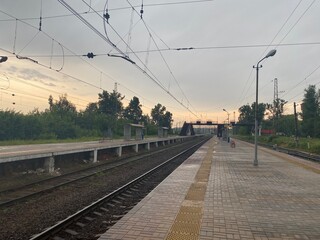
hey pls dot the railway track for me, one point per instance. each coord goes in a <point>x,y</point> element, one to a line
<point>296,153</point>
<point>97,217</point>
<point>304,155</point>
<point>22,193</point>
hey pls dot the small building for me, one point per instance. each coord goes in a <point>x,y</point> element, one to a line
<point>138,130</point>
<point>163,132</point>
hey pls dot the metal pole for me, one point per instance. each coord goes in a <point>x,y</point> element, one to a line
<point>228,138</point>
<point>228,124</point>
<point>255,162</point>
<point>296,124</point>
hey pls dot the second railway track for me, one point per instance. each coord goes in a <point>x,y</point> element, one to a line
<point>97,217</point>
<point>25,192</point>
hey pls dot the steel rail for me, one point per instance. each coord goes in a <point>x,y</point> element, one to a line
<point>108,166</point>
<point>49,232</point>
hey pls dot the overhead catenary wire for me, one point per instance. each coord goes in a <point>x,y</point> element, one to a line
<point>113,9</point>
<point>63,55</point>
<point>15,38</point>
<point>62,49</point>
<point>45,89</point>
<point>286,92</point>
<point>280,45</point>
<point>298,20</point>
<point>166,63</point>
<point>29,42</point>
<point>68,75</point>
<point>303,80</point>
<point>197,48</point>
<point>94,61</point>
<point>151,76</point>
<point>269,45</point>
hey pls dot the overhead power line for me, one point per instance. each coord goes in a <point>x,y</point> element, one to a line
<point>151,76</point>
<point>307,9</point>
<point>279,44</point>
<point>30,58</point>
<point>114,9</point>
<point>194,48</point>
<point>303,80</point>
<point>166,63</point>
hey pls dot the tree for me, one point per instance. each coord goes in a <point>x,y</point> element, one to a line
<point>110,103</point>
<point>167,120</point>
<point>60,120</point>
<point>161,117</point>
<point>92,108</point>
<point>286,125</point>
<point>276,111</point>
<point>157,113</point>
<point>63,106</point>
<point>133,111</point>
<point>310,112</point>
<point>247,115</point>
<point>89,118</point>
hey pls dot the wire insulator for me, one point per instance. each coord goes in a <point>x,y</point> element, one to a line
<point>40,20</point>
<point>141,11</point>
<point>90,55</point>
<point>40,23</point>
<point>106,16</point>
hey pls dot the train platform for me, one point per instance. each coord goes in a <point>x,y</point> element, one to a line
<point>217,193</point>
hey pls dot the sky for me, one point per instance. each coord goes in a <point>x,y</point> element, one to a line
<point>195,57</point>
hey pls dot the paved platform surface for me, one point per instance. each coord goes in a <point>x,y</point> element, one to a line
<point>32,151</point>
<point>218,194</point>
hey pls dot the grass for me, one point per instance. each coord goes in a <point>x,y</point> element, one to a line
<point>311,145</point>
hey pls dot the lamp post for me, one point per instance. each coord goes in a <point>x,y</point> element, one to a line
<point>3,59</point>
<point>228,124</point>
<point>270,54</point>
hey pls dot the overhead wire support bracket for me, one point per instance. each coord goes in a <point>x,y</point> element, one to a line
<point>124,57</point>
<point>26,58</point>
<point>179,49</point>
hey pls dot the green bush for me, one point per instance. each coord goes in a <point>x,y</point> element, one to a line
<point>315,148</point>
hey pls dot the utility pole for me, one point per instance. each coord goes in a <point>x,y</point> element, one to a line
<point>116,87</point>
<point>116,106</point>
<point>296,124</point>
<point>234,120</point>
<point>275,105</point>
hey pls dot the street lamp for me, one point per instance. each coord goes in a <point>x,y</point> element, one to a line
<point>227,113</point>
<point>3,59</point>
<point>228,124</point>
<point>270,54</point>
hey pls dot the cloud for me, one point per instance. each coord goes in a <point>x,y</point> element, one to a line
<point>34,75</point>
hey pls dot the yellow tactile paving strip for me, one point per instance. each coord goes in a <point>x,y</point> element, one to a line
<point>275,201</point>
<point>187,223</point>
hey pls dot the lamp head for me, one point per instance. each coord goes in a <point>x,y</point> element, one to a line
<point>271,53</point>
<point>3,59</point>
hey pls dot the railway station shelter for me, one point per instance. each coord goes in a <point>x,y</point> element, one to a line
<point>163,132</point>
<point>138,129</point>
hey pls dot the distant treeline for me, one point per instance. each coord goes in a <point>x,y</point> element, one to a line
<point>62,120</point>
<point>305,123</point>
